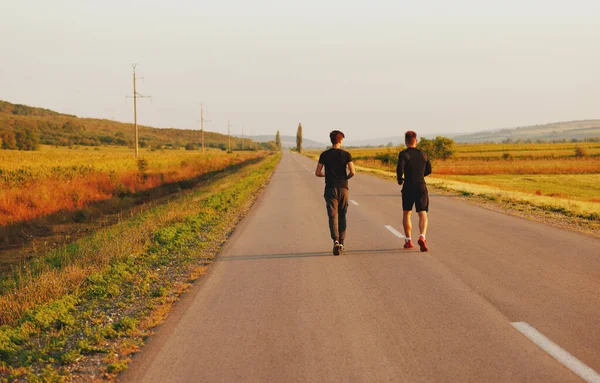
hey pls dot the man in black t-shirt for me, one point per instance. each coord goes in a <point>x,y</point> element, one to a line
<point>335,161</point>
<point>413,167</point>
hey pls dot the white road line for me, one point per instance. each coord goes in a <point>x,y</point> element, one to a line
<point>573,364</point>
<point>354,202</point>
<point>394,231</point>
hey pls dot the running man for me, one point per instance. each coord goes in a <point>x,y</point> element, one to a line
<point>336,160</point>
<point>413,167</point>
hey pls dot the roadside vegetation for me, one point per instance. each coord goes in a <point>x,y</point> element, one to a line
<point>36,184</point>
<point>558,178</point>
<point>80,311</point>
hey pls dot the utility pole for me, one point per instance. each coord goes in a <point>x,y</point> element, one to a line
<point>136,95</point>
<point>202,124</point>
<point>229,136</point>
<point>242,137</point>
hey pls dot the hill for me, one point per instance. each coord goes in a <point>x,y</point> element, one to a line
<point>57,129</point>
<point>559,131</point>
<point>570,130</point>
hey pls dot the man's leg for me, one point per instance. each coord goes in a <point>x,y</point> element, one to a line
<point>406,222</point>
<point>422,204</point>
<point>332,212</point>
<point>342,210</point>
<point>422,223</point>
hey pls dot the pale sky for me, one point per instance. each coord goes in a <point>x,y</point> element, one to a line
<point>369,68</point>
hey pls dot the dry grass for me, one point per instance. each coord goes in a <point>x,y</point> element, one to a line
<point>36,184</point>
<point>545,176</point>
<point>568,206</point>
<point>497,150</point>
<point>65,270</point>
<point>588,165</point>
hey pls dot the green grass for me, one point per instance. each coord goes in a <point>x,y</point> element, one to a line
<point>121,282</point>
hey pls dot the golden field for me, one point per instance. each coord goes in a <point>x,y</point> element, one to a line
<point>548,176</point>
<point>38,183</point>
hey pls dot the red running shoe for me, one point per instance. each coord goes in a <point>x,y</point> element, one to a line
<point>408,244</point>
<point>422,244</point>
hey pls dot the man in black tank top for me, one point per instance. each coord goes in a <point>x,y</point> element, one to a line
<point>413,167</point>
<point>335,161</point>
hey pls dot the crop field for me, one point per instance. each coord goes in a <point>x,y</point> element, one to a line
<point>581,187</point>
<point>490,151</point>
<point>34,184</point>
<point>548,176</point>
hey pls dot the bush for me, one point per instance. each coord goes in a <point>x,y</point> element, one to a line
<point>142,164</point>
<point>438,148</point>
<point>580,152</point>
<point>9,140</point>
<point>27,140</point>
<point>387,157</point>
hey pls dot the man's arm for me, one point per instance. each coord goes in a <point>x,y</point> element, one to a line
<point>400,168</point>
<point>319,171</point>
<point>351,169</point>
<point>427,167</point>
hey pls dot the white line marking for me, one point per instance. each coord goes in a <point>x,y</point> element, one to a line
<point>394,231</point>
<point>354,202</point>
<point>573,364</point>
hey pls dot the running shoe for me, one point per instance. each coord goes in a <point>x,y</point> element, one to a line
<point>342,248</point>
<point>408,244</point>
<point>422,244</point>
<point>336,248</point>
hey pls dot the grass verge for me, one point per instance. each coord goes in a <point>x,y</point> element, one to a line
<point>563,212</point>
<point>80,313</point>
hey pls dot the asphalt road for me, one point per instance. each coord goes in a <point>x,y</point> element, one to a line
<point>278,307</point>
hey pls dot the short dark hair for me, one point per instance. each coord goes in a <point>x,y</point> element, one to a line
<point>410,137</point>
<point>336,136</point>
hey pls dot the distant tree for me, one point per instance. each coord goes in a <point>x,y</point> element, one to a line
<point>438,148</point>
<point>27,140</point>
<point>299,138</point>
<point>390,144</point>
<point>278,141</point>
<point>9,140</point>
<point>580,152</point>
<point>190,146</point>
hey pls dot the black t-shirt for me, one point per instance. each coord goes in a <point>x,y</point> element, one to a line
<point>335,161</point>
<point>414,166</point>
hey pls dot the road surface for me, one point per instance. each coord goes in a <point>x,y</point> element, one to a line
<point>276,306</point>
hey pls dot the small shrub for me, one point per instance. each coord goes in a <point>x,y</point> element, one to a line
<point>580,152</point>
<point>70,357</point>
<point>115,368</point>
<point>142,165</point>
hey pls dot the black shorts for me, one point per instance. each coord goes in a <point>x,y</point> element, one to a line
<point>415,195</point>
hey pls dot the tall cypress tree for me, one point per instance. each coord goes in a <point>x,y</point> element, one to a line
<point>299,138</point>
<point>278,141</point>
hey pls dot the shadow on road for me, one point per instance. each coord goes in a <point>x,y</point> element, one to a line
<point>233,258</point>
